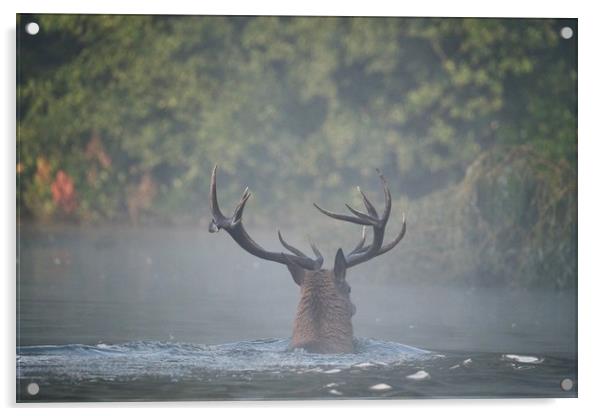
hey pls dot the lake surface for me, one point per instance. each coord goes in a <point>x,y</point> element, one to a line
<point>171,314</point>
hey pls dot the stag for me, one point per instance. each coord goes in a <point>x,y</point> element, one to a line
<point>323,320</point>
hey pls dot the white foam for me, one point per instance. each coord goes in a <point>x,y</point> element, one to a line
<point>380,387</point>
<point>364,365</point>
<point>419,375</point>
<point>524,359</point>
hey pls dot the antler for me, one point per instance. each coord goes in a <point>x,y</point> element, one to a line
<point>378,223</point>
<point>233,226</point>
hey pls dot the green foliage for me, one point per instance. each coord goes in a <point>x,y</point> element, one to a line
<point>137,109</point>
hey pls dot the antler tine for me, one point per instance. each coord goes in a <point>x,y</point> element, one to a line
<point>385,247</point>
<point>368,204</point>
<point>397,239</point>
<point>361,215</point>
<point>387,192</point>
<point>237,217</point>
<point>215,211</point>
<point>360,245</point>
<point>360,218</point>
<point>319,257</point>
<point>343,217</point>
<point>290,248</point>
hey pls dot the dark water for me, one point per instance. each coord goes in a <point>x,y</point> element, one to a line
<point>122,314</point>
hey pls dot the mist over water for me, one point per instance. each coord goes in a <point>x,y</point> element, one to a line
<point>110,304</point>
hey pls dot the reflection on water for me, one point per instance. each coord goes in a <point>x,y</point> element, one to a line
<point>169,309</point>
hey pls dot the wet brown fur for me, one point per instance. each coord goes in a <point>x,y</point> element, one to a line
<point>323,321</point>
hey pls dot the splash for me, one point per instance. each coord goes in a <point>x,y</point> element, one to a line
<point>181,360</point>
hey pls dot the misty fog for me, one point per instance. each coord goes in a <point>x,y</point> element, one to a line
<point>115,284</point>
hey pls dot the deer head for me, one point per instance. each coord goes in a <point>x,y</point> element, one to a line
<point>323,320</point>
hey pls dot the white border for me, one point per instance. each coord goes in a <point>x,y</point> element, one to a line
<point>590,154</point>
<point>461,8</point>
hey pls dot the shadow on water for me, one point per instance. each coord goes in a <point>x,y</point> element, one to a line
<point>125,314</point>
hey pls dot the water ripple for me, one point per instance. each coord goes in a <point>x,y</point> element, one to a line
<point>153,358</point>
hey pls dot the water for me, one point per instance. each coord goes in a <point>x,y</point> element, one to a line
<point>162,314</point>
<point>263,369</point>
